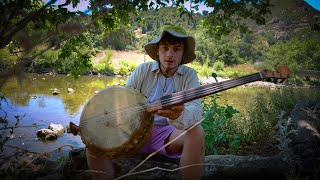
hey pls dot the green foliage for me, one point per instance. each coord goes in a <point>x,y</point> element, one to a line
<point>75,56</point>
<point>62,159</point>
<point>105,64</point>
<point>258,122</point>
<point>218,66</point>
<point>48,60</point>
<point>107,60</point>
<point>220,134</point>
<point>129,25</point>
<point>5,135</point>
<point>7,60</point>
<point>234,49</point>
<point>296,54</point>
<point>126,68</point>
<point>202,70</point>
<point>205,49</point>
<point>104,68</point>
<point>120,39</point>
<point>222,20</point>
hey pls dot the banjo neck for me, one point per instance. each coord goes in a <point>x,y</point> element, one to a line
<point>282,73</point>
<point>200,92</point>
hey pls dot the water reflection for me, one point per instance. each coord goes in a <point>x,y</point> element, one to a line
<point>32,101</point>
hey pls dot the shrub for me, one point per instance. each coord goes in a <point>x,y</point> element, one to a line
<point>48,59</point>
<point>219,128</point>
<point>218,66</point>
<point>126,68</point>
<point>7,60</point>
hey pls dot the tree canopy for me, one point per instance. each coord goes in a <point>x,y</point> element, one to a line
<point>17,16</point>
<point>27,24</point>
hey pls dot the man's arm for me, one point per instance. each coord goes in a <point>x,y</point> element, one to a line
<point>192,112</point>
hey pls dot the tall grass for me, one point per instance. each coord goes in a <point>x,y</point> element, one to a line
<point>258,122</point>
<point>226,128</point>
<point>105,64</point>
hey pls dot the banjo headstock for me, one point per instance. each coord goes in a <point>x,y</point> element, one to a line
<point>282,73</point>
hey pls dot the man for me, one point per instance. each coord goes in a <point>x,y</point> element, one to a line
<point>166,75</point>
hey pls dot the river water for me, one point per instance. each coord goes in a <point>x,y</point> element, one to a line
<point>30,100</point>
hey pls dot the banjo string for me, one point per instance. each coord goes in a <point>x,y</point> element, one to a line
<point>142,107</point>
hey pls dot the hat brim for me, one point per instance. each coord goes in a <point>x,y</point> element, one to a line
<point>189,55</point>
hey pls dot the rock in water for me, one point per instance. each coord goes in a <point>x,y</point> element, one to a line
<point>52,133</point>
<point>46,135</point>
<point>70,90</point>
<point>57,128</point>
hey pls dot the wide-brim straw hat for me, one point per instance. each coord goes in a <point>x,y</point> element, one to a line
<point>189,55</point>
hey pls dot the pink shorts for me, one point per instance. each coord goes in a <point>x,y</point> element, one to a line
<point>157,139</point>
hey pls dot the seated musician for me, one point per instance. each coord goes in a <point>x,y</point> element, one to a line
<point>167,74</point>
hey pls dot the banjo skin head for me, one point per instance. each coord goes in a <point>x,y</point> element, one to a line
<point>114,122</point>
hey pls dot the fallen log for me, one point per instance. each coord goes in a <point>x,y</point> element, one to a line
<point>215,167</point>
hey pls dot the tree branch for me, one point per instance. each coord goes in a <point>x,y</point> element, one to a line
<point>21,24</point>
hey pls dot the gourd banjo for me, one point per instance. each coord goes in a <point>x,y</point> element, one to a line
<point>117,121</point>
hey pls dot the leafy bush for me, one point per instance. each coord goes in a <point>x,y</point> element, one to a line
<point>107,59</point>
<point>103,68</point>
<point>7,60</point>
<point>76,52</point>
<point>202,70</point>
<point>219,128</point>
<point>218,66</point>
<point>48,59</point>
<point>296,54</point>
<point>105,64</point>
<point>126,68</point>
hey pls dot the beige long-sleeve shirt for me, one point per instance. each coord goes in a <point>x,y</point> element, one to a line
<point>144,79</point>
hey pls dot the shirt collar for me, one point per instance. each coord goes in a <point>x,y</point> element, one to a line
<point>155,67</point>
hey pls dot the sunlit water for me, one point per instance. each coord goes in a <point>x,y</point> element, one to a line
<point>32,102</point>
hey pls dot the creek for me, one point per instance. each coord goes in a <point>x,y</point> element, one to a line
<point>31,101</point>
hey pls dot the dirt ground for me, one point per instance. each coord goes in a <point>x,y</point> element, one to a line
<point>118,56</point>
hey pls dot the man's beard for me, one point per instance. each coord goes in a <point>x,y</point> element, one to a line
<point>166,69</point>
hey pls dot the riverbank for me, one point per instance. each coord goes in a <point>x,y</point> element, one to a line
<point>296,158</point>
<point>262,84</point>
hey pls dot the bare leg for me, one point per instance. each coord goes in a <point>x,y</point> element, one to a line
<point>192,146</point>
<point>100,167</point>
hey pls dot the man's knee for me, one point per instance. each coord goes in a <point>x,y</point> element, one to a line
<point>196,135</point>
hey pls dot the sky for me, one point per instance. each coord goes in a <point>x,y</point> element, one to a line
<point>84,4</point>
<point>314,3</point>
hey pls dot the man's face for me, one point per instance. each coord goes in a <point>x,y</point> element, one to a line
<point>170,56</point>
